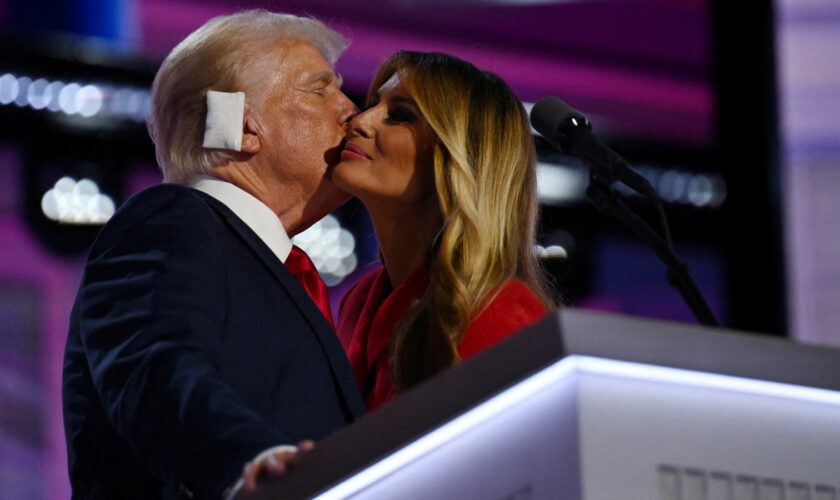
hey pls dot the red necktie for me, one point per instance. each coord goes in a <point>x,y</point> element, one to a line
<point>302,268</point>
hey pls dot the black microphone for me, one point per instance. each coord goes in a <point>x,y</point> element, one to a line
<point>569,131</point>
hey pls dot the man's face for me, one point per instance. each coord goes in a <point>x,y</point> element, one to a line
<point>304,117</point>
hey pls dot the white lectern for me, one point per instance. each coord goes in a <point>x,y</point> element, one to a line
<point>599,407</point>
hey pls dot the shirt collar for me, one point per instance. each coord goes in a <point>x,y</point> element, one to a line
<point>254,213</point>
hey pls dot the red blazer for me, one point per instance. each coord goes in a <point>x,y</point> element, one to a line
<point>371,311</point>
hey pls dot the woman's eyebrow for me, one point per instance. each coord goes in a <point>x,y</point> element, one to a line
<point>401,99</point>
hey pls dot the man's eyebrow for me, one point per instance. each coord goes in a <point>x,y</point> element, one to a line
<point>322,77</point>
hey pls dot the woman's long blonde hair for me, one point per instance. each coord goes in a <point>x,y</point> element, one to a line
<point>484,163</point>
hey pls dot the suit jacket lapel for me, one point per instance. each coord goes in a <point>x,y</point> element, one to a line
<point>326,335</point>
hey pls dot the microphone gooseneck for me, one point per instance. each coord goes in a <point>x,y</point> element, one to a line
<point>570,131</point>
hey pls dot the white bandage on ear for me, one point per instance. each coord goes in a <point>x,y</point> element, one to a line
<point>225,117</point>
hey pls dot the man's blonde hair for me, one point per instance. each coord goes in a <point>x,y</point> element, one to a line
<point>221,55</point>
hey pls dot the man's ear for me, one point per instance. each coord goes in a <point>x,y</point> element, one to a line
<point>251,133</point>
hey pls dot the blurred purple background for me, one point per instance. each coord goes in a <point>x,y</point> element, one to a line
<point>643,70</point>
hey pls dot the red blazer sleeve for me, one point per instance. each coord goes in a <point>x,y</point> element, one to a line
<point>513,308</point>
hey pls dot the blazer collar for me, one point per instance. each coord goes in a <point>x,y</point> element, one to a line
<point>250,210</point>
<point>339,364</point>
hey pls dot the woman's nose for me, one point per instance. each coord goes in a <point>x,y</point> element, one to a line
<point>361,123</point>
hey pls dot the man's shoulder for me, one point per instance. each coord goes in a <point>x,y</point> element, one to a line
<point>160,210</point>
<point>162,197</point>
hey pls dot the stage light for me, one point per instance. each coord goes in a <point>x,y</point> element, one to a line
<point>67,98</point>
<point>560,184</point>
<point>700,190</point>
<point>130,103</point>
<point>73,202</point>
<point>551,252</point>
<point>671,186</point>
<point>9,89</point>
<point>54,90</point>
<point>563,184</point>
<point>680,187</point>
<point>121,102</point>
<point>39,94</point>
<point>83,100</point>
<point>89,100</point>
<point>331,248</point>
<point>140,110</point>
<point>718,191</point>
<point>22,98</point>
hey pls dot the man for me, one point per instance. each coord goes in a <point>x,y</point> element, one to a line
<point>192,347</point>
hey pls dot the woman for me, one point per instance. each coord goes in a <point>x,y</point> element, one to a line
<point>444,162</point>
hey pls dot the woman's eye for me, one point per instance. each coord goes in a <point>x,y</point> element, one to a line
<point>400,115</point>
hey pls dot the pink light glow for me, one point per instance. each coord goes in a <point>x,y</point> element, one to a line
<point>631,103</point>
<point>652,105</point>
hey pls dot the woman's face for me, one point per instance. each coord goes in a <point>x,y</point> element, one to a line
<point>387,159</point>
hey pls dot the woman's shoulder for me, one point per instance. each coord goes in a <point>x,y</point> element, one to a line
<point>515,302</point>
<point>519,293</point>
<point>514,306</point>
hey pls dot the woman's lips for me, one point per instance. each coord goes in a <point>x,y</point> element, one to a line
<point>355,152</point>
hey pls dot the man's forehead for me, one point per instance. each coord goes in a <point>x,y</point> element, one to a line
<point>306,65</point>
<point>303,63</point>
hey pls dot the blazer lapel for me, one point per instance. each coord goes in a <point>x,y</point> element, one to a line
<point>326,336</point>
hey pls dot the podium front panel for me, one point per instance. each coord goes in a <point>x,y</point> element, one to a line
<point>521,444</point>
<point>590,428</point>
<point>593,406</point>
<point>643,427</point>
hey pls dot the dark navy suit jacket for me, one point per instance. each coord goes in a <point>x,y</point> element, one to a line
<point>191,349</point>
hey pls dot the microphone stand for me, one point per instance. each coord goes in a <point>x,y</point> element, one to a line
<point>601,194</point>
